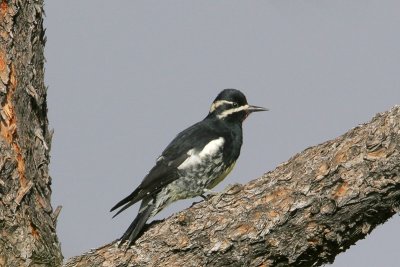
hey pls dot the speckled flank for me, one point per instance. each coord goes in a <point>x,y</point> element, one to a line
<point>202,170</point>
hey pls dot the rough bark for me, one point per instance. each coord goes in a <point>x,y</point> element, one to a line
<point>27,223</point>
<point>303,213</point>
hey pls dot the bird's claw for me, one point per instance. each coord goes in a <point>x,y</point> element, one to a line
<point>209,195</point>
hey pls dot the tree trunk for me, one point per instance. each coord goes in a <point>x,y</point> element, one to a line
<point>27,223</point>
<point>304,213</point>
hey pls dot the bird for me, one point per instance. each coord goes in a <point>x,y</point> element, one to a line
<point>195,161</point>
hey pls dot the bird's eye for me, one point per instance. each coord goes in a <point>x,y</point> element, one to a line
<point>235,105</point>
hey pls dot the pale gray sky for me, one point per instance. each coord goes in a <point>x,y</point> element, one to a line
<point>125,77</point>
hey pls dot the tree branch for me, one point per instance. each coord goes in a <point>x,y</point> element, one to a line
<point>304,213</point>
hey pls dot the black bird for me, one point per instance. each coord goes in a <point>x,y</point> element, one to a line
<point>194,162</point>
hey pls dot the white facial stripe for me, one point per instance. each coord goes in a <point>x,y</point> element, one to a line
<point>215,105</point>
<point>196,158</point>
<point>232,110</point>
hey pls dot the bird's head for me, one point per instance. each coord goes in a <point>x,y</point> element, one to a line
<point>231,105</point>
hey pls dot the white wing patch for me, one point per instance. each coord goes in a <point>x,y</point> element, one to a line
<point>196,157</point>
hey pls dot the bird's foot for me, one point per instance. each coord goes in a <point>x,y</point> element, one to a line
<point>209,195</point>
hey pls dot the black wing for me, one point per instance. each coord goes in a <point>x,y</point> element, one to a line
<point>165,171</point>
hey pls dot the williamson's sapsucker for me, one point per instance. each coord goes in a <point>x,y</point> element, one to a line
<point>194,162</point>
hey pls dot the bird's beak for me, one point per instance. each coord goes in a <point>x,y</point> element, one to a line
<point>255,109</point>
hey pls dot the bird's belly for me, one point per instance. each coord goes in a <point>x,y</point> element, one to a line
<point>194,181</point>
<point>187,186</point>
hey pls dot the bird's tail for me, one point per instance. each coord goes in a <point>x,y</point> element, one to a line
<point>136,227</point>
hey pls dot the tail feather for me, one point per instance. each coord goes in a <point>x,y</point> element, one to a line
<point>136,227</point>
<point>127,205</point>
<point>129,200</point>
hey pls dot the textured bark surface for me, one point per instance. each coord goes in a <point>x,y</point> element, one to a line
<point>303,213</point>
<point>27,225</point>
